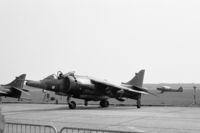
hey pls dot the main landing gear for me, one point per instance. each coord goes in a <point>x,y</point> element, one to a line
<point>71,104</point>
<point>104,103</point>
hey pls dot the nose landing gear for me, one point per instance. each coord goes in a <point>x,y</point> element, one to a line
<point>71,104</point>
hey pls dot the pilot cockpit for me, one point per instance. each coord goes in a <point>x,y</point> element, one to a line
<point>59,75</point>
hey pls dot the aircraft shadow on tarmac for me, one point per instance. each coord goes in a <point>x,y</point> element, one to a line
<point>78,108</point>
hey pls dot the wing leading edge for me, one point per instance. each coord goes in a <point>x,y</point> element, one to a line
<point>115,86</point>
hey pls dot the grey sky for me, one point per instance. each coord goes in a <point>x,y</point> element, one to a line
<point>109,39</point>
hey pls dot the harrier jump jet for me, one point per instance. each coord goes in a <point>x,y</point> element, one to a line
<point>169,89</point>
<point>15,88</point>
<point>91,89</point>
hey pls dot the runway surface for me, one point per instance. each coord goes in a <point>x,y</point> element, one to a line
<point>147,119</point>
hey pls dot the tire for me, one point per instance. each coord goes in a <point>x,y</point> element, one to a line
<point>104,103</point>
<point>72,105</point>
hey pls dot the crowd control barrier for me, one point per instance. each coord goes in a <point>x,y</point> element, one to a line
<point>34,128</point>
<point>85,130</point>
<point>28,128</point>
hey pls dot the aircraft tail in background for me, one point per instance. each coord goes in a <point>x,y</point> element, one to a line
<point>18,82</point>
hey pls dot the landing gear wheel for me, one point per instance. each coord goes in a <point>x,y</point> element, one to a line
<point>104,103</point>
<point>72,105</point>
<point>139,103</point>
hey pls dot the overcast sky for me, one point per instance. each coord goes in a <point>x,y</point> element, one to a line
<point>109,39</point>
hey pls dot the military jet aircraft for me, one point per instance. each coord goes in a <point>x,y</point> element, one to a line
<point>91,89</point>
<point>169,89</point>
<point>14,89</point>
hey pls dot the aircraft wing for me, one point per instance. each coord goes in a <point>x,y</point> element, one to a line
<point>22,90</point>
<point>118,87</point>
<point>2,92</point>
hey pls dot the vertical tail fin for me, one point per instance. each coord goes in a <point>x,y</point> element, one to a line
<point>138,79</point>
<point>18,82</point>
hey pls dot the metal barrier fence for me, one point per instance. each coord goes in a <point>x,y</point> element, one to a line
<point>34,128</point>
<point>28,128</point>
<point>85,130</point>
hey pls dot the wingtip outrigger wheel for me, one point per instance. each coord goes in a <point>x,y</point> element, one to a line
<point>139,102</point>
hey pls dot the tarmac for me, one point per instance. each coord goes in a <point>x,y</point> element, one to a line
<point>149,119</point>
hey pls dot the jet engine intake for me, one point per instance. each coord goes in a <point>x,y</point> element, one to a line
<point>71,84</point>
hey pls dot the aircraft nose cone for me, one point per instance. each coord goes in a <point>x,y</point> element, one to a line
<point>36,84</point>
